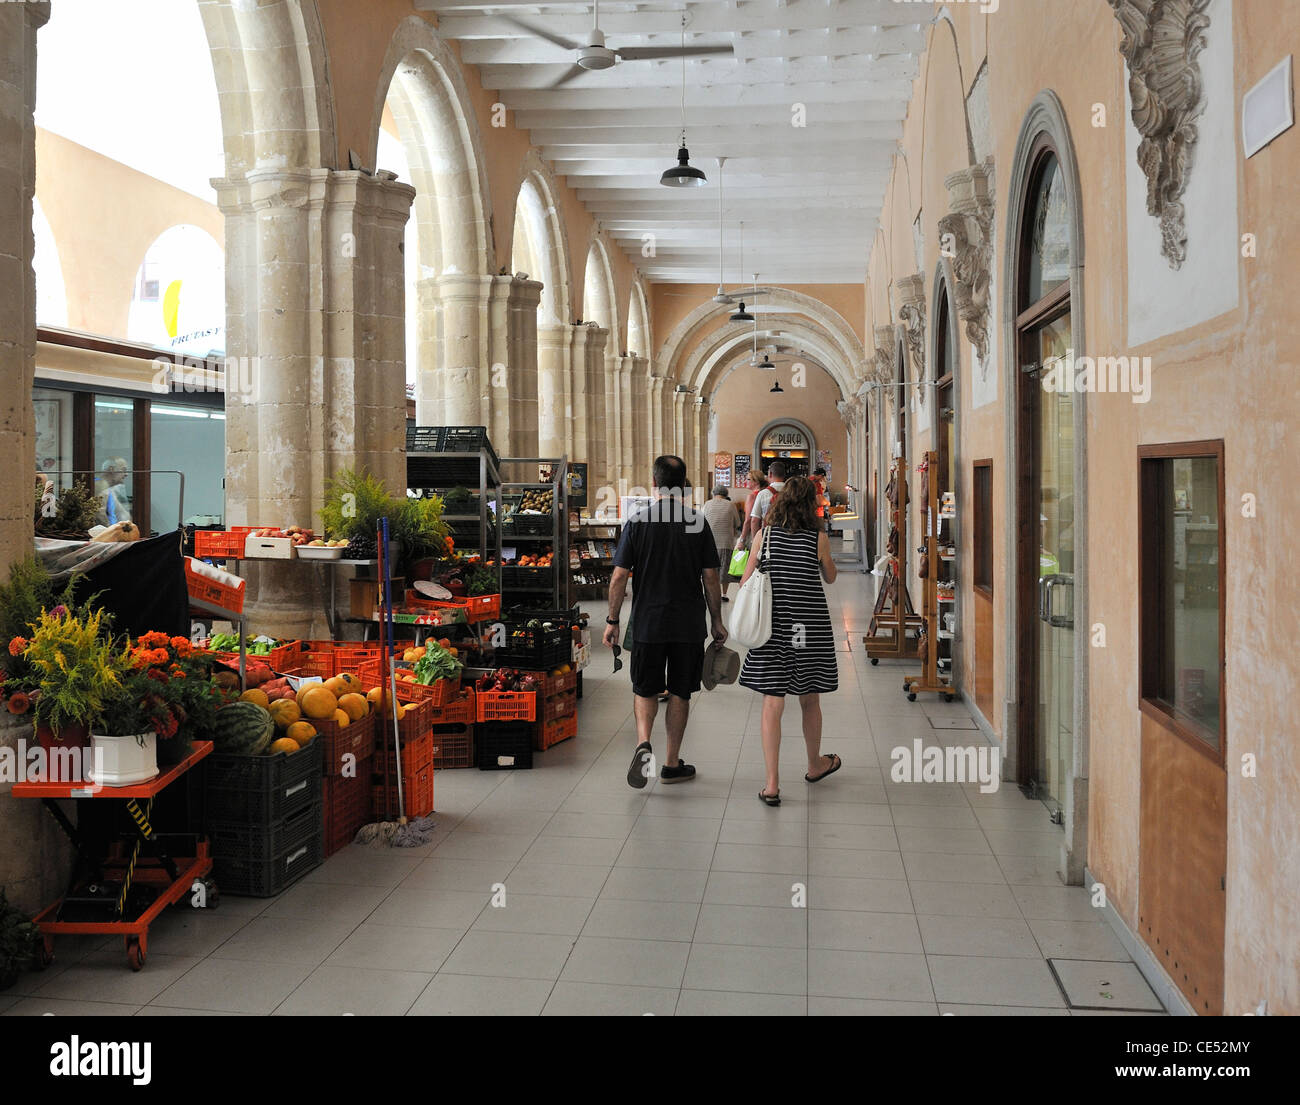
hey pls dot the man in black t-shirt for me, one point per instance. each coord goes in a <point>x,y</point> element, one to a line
<point>669,550</point>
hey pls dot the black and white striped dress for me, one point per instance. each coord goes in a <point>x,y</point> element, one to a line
<point>799,657</point>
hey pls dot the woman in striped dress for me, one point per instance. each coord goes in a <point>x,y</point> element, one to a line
<point>799,657</point>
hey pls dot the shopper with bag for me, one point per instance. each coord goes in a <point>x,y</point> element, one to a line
<point>670,551</point>
<point>720,514</point>
<point>798,657</point>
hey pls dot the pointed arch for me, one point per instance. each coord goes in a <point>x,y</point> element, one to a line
<point>539,243</point>
<point>639,337</point>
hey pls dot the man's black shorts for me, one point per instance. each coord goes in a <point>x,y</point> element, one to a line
<point>671,665</point>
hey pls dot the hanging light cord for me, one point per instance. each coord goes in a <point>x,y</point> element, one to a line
<point>683,78</point>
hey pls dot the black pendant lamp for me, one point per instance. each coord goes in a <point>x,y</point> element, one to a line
<point>742,315</point>
<point>683,174</point>
<point>776,387</point>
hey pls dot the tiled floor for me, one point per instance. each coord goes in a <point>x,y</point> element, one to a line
<point>858,895</point>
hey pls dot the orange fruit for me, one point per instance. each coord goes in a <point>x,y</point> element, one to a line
<point>255,695</point>
<point>317,702</point>
<point>285,712</point>
<point>341,719</point>
<point>354,706</point>
<point>334,685</point>
<point>300,732</point>
<point>284,744</point>
<point>349,682</point>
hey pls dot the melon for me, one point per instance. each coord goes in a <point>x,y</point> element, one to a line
<point>255,695</point>
<point>301,733</point>
<point>334,685</point>
<point>285,712</point>
<point>349,681</point>
<point>284,744</point>
<point>341,719</point>
<point>243,728</point>
<point>354,705</point>
<point>318,703</point>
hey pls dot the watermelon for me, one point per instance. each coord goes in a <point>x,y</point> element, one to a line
<point>243,728</point>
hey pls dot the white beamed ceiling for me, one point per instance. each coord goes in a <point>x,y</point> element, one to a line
<point>809,196</point>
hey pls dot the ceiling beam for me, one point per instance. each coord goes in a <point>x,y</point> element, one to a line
<point>702,97</point>
<point>596,114</point>
<point>757,149</point>
<point>705,73</point>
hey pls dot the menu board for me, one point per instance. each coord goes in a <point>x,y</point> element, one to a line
<point>740,469</point>
<point>722,469</point>
<point>578,483</point>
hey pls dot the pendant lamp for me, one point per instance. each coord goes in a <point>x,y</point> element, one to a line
<point>683,174</point>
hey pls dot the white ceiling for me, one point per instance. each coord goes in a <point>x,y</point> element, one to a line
<point>809,196</point>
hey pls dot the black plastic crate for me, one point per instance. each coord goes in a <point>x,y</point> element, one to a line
<point>535,648</point>
<point>513,576</point>
<point>438,471</point>
<point>504,746</point>
<point>468,439</point>
<point>528,525</point>
<point>259,843</point>
<point>425,439</point>
<point>264,878</point>
<point>523,611</point>
<point>262,789</point>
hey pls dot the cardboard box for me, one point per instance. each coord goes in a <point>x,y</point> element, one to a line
<point>367,596</point>
<point>268,548</point>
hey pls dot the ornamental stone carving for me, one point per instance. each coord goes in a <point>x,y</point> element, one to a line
<point>850,412</point>
<point>1161,44</point>
<point>882,375</point>
<point>966,243</point>
<point>911,313</point>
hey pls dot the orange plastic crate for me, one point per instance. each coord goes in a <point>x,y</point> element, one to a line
<point>478,608</point>
<point>549,733</point>
<point>560,705</point>
<point>350,656</point>
<point>417,788</point>
<point>559,684</point>
<point>210,590</point>
<point>506,705</point>
<point>453,746</point>
<point>347,802</point>
<point>219,544</point>
<point>441,692</point>
<point>460,711</point>
<point>356,739</point>
<point>415,753</point>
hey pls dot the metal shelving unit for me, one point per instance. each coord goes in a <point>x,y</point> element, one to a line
<point>516,588</point>
<point>479,472</point>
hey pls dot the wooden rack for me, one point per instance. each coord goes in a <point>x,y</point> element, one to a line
<point>893,616</point>
<point>932,680</point>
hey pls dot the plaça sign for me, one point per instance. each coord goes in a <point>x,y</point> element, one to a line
<point>785,437</point>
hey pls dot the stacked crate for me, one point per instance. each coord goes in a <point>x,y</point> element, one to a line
<point>264,819</point>
<point>557,711</point>
<point>415,731</point>
<point>347,754</point>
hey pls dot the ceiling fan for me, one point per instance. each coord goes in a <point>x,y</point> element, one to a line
<point>593,54</point>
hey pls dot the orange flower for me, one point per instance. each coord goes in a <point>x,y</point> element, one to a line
<point>18,646</point>
<point>19,703</point>
<point>159,656</point>
<point>153,639</point>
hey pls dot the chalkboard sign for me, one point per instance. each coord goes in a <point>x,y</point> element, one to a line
<point>740,469</point>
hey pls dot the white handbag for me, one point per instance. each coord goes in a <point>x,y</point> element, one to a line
<point>751,610</point>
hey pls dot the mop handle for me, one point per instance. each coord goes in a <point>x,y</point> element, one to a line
<point>392,674</point>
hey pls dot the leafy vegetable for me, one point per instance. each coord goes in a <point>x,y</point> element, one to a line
<point>482,581</point>
<point>436,663</point>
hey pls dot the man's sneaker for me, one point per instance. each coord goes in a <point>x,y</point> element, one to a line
<point>639,770</point>
<point>682,773</point>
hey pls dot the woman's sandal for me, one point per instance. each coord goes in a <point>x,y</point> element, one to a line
<point>838,763</point>
<point>769,799</point>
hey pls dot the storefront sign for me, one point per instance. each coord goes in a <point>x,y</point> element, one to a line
<point>722,469</point>
<point>785,437</point>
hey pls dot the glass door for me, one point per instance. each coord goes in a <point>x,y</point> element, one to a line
<point>1055,623</point>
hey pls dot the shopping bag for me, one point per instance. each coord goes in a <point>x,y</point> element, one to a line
<point>739,558</point>
<point>751,610</point>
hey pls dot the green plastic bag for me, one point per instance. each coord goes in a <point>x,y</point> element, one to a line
<point>739,558</point>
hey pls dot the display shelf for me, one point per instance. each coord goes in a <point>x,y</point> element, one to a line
<point>893,615</point>
<point>556,536</point>
<point>934,666</point>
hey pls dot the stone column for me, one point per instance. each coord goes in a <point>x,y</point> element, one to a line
<point>626,440</point>
<point>677,406</point>
<point>34,854</point>
<point>700,426</point>
<point>524,370</point>
<point>463,340</point>
<point>553,415</point>
<point>597,457</point>
<point>428,381</point>
<point>496,379</point>
<point>660,427</point>
<point>314,292</point>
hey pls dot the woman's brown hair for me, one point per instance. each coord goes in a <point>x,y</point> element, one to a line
<point>795,507</point>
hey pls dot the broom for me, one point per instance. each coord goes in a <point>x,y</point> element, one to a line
<point>400,833</point>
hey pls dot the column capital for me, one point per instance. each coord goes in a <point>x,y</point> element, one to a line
<point>388,199</point>
<point>464,287</point>
<point>270,189</point>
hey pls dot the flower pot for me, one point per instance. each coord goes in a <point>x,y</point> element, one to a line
<point>63,750</point>
<point>123,761</point>
<point>174,749</point>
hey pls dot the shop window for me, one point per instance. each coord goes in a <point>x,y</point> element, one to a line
<point>190,439</point>
<point>1181,565</point>
<point>982,524</point>
<point>114,459</point>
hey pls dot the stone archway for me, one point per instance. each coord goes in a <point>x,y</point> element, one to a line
<point>596,348</point>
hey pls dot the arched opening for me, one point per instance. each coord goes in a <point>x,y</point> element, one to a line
<point>178,299</point>
<point>638,323</point>
<point>945,393</point>
<point>599,307</point>
<point>51,292</point>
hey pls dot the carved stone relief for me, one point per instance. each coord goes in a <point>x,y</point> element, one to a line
<point>911,313</point>
<point>1161,44</point>
<point>966,243</point>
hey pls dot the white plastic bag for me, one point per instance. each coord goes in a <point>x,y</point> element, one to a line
<point>751,610</point>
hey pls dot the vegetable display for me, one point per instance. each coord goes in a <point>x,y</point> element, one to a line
<point>436,663</point>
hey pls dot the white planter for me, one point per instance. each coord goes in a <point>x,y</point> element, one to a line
<point>123,761</point>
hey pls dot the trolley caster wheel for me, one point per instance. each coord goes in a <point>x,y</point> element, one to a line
<point>911,696</point>
<point>875,660</point>
<point>135,954</point>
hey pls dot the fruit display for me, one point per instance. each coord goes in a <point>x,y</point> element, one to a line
<point>299,535</point>
<point>242,728</point>
<point>534,560</point>
<point>536,502</point>
<point>260,645</point>
<point>322,543</point>
<point>361,548</point>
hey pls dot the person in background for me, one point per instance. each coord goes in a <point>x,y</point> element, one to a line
<point>823,501</point>
<point>799,657</point>
<point>670,550</point>
<point>720,514</point>
<point>112,493</point>
<point>776,473</point>
<point>755,482</point>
